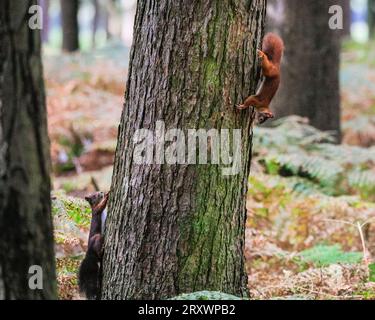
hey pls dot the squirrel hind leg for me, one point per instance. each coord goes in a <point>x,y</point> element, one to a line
<point>250,101</point>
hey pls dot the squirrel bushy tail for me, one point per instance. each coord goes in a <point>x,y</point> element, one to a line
<point>88,276</point>
<point>273,47</point>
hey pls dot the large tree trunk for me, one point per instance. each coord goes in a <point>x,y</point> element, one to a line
<point>310,72</point>
<point>70,27</point>
<point>180,228</point>
<point>26,237</point>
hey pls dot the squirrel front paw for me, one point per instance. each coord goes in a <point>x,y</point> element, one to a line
<point>241,106</point>
<point>261,54</point>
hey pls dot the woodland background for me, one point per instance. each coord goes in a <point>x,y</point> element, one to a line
<point>303,190</point>
<point>310,232</point>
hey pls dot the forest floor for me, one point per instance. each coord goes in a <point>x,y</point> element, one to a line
<point>311,204</point>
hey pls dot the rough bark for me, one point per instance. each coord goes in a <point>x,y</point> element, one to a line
<point>70,27</point>
<point>26,236</point>
<point>180,228</point>
<point>310,70</point>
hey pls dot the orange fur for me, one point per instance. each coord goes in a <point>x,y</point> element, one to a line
<point>272,51</point>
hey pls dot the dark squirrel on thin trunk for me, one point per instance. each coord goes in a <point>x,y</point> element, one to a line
<point>89,275</point>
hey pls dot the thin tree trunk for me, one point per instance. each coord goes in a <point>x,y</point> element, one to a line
<point>106,23</point>
<point>371,18</point>
<point>26,237</point>
<point>70,27</point>
<point>347,18</point>
<point>127,21</point>
<point>310,72</point>
<point>275,15</point>
<point>95,22</point>
<point>180,228</point>
<point>46,21</point>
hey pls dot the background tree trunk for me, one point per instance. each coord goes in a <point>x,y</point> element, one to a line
<point>46,21</point>
<point>347,18</point>
<point>95,22</point>
<point>310,71</point>
<point>275,15</point>
<point>371,17</point>
<point>26,237</point>
<point>70,27</point>
<point>180,228</point>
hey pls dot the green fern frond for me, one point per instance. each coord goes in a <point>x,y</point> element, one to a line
<point>291,147</point>
<point>314,167</point>
<point>361,179</point>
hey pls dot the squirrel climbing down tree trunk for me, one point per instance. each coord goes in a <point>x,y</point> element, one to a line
<point>272,51</point>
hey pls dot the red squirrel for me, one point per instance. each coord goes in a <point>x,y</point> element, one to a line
<point>270,55</point>
<point>90,269</point>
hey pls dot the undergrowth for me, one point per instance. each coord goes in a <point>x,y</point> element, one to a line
<point>292,148</point>
<point>307,195</point>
